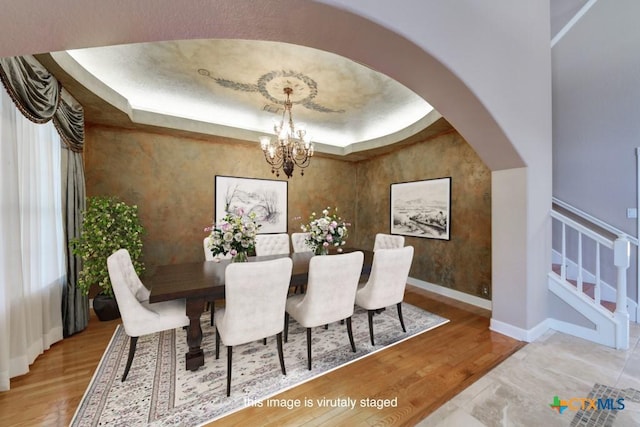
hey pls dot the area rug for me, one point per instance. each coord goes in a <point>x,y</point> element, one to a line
<point>159,391</point>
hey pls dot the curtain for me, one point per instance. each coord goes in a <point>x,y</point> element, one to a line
<point>32,258</point>
<point>41,99</point>
<point>75,305</point>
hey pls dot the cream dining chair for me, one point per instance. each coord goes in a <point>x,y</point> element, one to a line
<point>255,294</point>
<point>272,244</point>
<point>331,291</point>
<point>388,241</point>
<point>208,256</point>
<point>386,284</point>
<point>139,317</point>
<point>298,242</point>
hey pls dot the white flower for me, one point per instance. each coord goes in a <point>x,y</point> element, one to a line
<point>233,234</point>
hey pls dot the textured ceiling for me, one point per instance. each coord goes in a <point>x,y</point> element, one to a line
<point>235,88</point>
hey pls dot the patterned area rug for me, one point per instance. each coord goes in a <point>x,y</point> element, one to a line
<point>160,392</point>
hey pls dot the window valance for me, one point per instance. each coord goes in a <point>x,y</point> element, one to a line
<point>40,98</point>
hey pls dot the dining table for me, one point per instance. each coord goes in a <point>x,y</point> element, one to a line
<point>203,281</point>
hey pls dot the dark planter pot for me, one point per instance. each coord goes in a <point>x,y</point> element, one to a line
<point>106,307</point>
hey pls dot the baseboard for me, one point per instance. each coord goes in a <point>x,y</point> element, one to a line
<point>451,293</point>
<point>606,337</point>
<point>527,335</point>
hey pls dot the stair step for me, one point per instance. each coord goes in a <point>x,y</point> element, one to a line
<point>588,289</point>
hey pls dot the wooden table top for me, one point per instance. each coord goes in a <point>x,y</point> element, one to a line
<point>206,278</point>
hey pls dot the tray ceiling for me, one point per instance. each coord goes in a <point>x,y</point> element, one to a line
<point>234,88</point>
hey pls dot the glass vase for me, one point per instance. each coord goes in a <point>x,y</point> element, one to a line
<point>322,250</point>
<point>240,257</point>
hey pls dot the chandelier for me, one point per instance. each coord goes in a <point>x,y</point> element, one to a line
<point>291,147</point>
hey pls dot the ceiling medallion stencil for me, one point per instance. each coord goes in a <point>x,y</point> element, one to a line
<point>272,85</point>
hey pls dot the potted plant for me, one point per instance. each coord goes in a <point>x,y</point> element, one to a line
<point>108,224</point>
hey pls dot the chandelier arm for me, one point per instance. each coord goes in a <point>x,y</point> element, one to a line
<point>290,148</point>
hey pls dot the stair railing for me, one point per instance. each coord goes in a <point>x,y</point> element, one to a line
<point>621,247</point>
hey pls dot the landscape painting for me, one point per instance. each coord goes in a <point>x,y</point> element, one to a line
<point>422,208</point>
<point>266,198</point>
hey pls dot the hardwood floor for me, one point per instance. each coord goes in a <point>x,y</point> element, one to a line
<point>422,373</point>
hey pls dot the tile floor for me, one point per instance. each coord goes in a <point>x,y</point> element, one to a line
<point>520,390</point>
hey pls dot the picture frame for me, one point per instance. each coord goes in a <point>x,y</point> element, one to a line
<point>421,208</point>
<point>267,198</point>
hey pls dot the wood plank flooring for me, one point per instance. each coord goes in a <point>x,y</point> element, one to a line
<point>422,373</point>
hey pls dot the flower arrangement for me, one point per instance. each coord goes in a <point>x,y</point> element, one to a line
<point>234,235</point>
<point>108,224</point>
<point>325,231</point>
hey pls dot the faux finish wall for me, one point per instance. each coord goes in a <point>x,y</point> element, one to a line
<point>171,179</point>
<point>462,263</point>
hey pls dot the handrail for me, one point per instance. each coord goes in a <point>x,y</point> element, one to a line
<point>600,223</point>
<point>583,230</point>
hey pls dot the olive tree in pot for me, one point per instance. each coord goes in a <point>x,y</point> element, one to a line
<point>108,224</point>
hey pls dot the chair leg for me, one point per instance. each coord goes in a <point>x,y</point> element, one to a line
<point>370,315</point>
<point>309,348</point>
<point>400,316</point>
<point>217,344</point>
<point>350,332</point>
<point>212,304</point>
<point>229,355</point>
<point>280,353</point>
<point>132,350</point>
<point>286,326</point>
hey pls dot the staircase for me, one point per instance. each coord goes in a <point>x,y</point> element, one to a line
<point>588,273</point>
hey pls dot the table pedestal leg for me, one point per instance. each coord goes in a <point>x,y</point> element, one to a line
<point>194,358</point>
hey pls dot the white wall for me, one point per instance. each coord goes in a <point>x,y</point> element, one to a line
<point>596,105</point>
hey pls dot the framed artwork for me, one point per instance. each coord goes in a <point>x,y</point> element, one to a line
<point>267,198</point>
<point>422,208</point>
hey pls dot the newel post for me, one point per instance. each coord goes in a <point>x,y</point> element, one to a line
<point>621,257</point>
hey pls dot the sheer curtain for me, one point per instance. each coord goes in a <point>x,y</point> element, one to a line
<point>32,257</point>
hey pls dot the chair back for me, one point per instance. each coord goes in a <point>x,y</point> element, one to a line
<point>331,287</point>
<point>255,298</point>
<point>208,255</point>
<point>388,241</point>
<point>298,242</point>
<point>127,288</point>
<point>272,244</point>
<point>388,278</point>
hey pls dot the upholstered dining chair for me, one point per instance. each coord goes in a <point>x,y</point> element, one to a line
<point>272,244</point>
<point>331,291</point>
<point>388,241</point>
<point>139,317</point>
<point>298,242</point>
<point>256,294</point>
<point>208,256</point>
<point>386,284</point>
